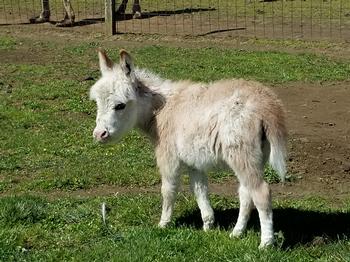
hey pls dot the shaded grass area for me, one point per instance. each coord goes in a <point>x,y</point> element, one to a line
<point>45,108</point>
<point>35,228</point>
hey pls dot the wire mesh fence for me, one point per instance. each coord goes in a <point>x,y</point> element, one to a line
<point>281,19</point>
<point>20,12</point>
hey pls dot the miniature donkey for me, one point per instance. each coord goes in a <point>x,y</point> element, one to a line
<point>231,123</point>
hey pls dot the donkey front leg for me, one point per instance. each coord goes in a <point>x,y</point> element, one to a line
<point>45,13</point>
<point>199,186</point>
<point>170,181</point>
<point>69,16</point>
<point>69,10</point>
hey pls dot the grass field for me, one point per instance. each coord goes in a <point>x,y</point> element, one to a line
<point>47,148</point>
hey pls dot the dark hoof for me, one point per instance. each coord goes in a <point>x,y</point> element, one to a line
<point>65,23</point>
<point>38,20</point>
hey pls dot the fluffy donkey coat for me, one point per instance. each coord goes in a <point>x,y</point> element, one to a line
<point>235,124</point>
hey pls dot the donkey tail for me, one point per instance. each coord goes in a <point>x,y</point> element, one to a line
<point>276,133</point>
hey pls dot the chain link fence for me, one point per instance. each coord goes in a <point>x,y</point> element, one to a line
<point>274,19</point>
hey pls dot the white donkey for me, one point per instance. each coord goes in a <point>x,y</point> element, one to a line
<point>232,123</point>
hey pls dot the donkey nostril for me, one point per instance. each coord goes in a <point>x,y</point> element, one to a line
<point>104,134</point>
<point>101,135</point>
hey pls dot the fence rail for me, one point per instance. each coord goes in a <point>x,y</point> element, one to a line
<point>277,19</point>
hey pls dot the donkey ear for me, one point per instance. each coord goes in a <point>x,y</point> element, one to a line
<point>106,64</point>
<point>126,62</point>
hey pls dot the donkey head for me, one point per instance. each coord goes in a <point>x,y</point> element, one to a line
<point>115,94</point>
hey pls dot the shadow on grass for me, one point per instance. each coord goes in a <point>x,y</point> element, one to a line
<point>83,22</point>
<point>124,17</point>
<point>299,227</point>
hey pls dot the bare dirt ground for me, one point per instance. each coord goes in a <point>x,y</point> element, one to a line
<point>318,121</point>
<point>319,140</point>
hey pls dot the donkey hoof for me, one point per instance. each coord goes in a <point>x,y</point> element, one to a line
<point>236,233</point>
<point>137,15</point>
<point>207,226</point>
<point>163,224</point>
<point>208,223</point>
<point>38,20</point>
<point>65,23</point>
<point>266,243</point>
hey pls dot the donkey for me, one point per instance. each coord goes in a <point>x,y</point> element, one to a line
<point>44,16</point>
<point>69,16</point>
<point>231,123</point>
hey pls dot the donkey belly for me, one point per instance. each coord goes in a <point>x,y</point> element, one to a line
<point>196,153</point>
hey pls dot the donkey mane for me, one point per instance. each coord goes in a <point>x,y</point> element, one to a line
<point>154,92</point>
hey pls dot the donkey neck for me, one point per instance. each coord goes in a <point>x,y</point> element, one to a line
<point>154,92</point>
<point>151,99</point>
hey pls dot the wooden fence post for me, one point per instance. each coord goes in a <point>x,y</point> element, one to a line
<point>110,18</point>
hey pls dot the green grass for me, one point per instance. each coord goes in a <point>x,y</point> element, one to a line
<point>46,147</point>
<point>208,64</point>
<point>34,228</point>
<point>7,43</point>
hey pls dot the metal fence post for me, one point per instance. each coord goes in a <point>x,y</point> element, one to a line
<point>110,18</point>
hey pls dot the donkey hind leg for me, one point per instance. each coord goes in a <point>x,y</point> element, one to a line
<point>245,208</point>
<point>256,189</point>
<point>170,183</point>
<point>199,186</point>
<point>262,200</point>
<point>69,16</point>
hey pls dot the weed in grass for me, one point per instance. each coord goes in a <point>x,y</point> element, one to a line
<point>22,210</point>
<point>105,228</point>
<point>7,43</point>
<point>80,49</point>
<point>271,176</point>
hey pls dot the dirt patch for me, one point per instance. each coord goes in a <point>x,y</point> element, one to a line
<point>319,144</point>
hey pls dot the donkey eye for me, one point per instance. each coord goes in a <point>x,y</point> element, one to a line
<point>120,106</point>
